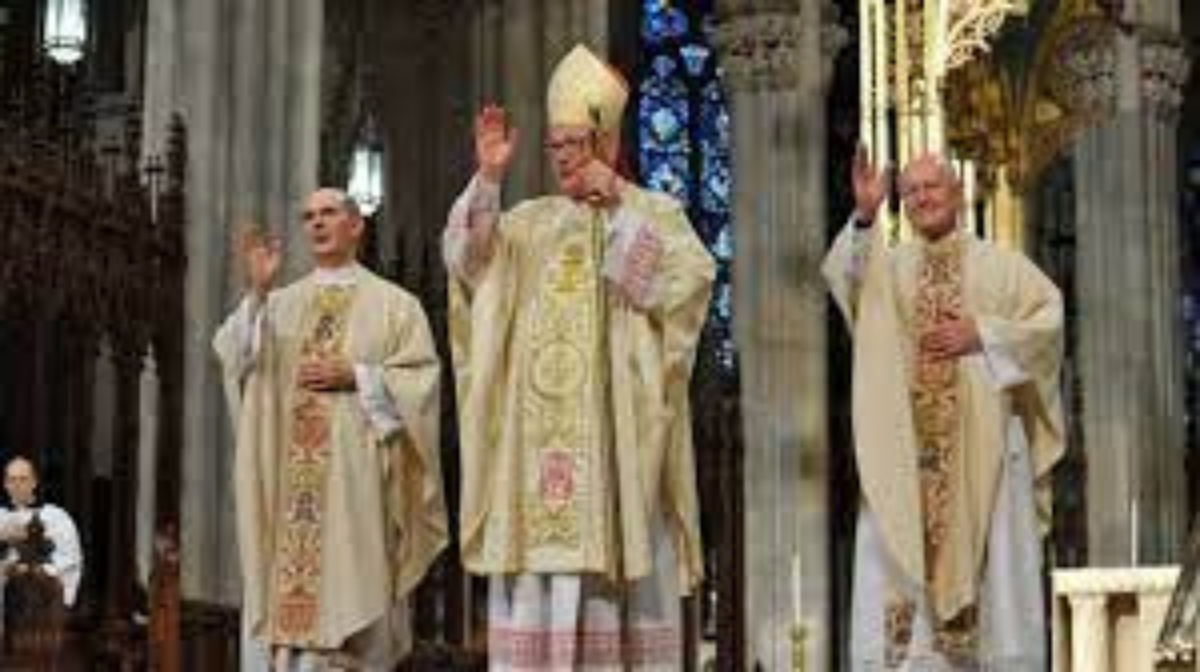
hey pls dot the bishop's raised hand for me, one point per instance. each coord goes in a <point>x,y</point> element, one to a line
<point>495,142</point>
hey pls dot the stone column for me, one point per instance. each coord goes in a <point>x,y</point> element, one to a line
<point>1128,282</point>
<point>246,78</point>
<point>776,65</point>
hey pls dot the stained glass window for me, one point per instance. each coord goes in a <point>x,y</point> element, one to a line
<point>1190,197</point>
<point>683,134</point>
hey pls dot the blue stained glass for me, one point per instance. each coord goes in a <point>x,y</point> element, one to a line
<point>724,301</point>
<point>666,91</point>
<point>683,133</point>
<point>665,124</point>
<point>723,248</point>
<point>664,67</point>
<point>726,354</point>
<point>663,22</point>
<point>714,116</point>
<point>713,93</point>
<point>670,176</point>
<point>715,128</point>
<point>715,195</point>
<point>1190,229</point>
<point>663,116</point>
<point>1190,196</point>
<point>694,58</point>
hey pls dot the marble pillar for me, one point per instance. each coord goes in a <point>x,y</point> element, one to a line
<point>246,78</point>
<point>775,55</point>
<point>1130,345</point>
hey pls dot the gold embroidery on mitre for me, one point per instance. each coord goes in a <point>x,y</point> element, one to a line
<point>585,91</point>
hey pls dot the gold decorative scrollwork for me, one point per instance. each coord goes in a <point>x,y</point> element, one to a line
<point>973,23</point>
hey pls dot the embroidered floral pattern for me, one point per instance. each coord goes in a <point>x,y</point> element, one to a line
<point>898,630</point>
<point>958,638</point>
<point>558,478</point>
<point>936,399</point>
<point>560,416</point>
<point>643,646</point>
<point>935,395</point>
<point>297,566</point>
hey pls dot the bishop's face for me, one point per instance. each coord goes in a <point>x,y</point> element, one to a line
<point>333,230</point>
<point>570,149</point>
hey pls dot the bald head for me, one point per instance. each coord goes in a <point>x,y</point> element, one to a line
<point>932,195</point>
<point>20,482</point>
<point>334,225</point>
<point>930,163</point>
<point>346,200</point>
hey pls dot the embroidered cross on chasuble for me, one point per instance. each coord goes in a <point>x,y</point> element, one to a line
<point>936,405</point>
<point>297,580</point>
<point>568,386</point>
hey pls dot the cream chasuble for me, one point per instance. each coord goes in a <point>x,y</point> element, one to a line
<point>574,418</point>
<point>931,438</point>
<point>337,521</point>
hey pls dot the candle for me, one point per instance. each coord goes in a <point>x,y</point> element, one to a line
<point>967,170</point>
<point>882,154</point>
<point>903,106</point>
<point>797,593</point>
<point>880,50</point>
<point>1133,531</point>
<point>866,133</point>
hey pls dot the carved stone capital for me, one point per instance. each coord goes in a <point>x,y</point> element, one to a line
<point>761,47</point>
<point>760,50</point>
<point>725,9</point>
<point>1084,74</point>
<point>1164,67</point>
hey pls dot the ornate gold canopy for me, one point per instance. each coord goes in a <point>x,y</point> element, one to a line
<point>908,48</point>
<point>972,24</point>
<point>932,78</point>
<point>1023,116</point>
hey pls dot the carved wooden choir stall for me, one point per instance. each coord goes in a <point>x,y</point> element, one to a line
<point>91,277</point>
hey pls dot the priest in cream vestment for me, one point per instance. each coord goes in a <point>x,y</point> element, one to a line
<point>957,422</point>
<point>574,324</point>
<point>333,382</point>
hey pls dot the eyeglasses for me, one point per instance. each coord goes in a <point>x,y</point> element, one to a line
<point>568,143</point>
